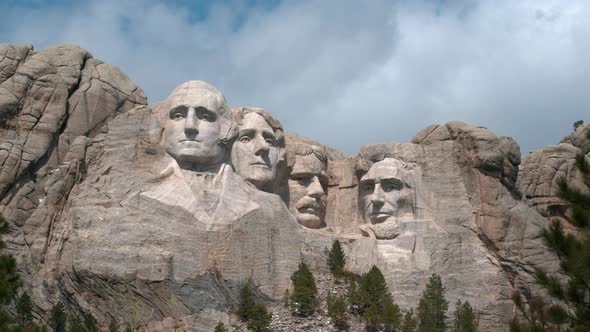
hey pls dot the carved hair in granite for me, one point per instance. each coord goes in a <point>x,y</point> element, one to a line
<point>308,182</point>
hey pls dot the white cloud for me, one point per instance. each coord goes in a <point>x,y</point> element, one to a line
<point>350,74</point>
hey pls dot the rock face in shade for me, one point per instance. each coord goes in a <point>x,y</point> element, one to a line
<point>117,208</point>
<point>540,170</point>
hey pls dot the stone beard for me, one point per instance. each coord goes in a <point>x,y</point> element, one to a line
<point>194,126</point>
<point>257,150</point>
<point>307,181</point>
<point>387,197</point>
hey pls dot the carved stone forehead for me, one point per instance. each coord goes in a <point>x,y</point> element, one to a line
<point>294,151</point>
<point>196,92</point>
<point>386,168</point>
<point>308,164</point>
<point>240,114</point>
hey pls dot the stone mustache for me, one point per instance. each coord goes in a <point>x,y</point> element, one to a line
<point>206,136</point>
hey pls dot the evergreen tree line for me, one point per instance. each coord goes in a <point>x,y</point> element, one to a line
<point>254,312</point>
<point>370,299</point>
<point>9,286</point>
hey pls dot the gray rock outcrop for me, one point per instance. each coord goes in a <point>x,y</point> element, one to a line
<point>541,170</point>
<point>121,208</point>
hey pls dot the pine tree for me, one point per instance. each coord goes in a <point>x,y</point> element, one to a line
<point>336,259</point>
<point>372,287</point>
<point>432,307</point>
<point>372,317</point>
<point>113,325</point>
<point>391,316</point>
<point>409,321</point>
<point>337,311</point>
<point>304,300</point>
<point>9,280</point>
<point>354,298</point>
<point>261,318</point>
<point>58,319</point>
<point>220,327</point>
<point>256,314</point>
<point>90,323</point>
<point>246,302</point>
<point>464,318</point>
<point>570,297</point>
<point>24,308</point>
<point>373,301</point>
<point>76,324</point>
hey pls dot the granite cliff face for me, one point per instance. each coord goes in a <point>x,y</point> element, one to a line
<point>155,214</point>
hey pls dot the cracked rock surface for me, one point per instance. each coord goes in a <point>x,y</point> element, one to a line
<point>79,185</point>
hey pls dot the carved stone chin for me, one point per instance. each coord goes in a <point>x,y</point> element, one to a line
<point>387,230</point>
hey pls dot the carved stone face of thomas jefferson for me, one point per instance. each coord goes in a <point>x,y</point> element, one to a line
<point>307,181</point>
<point>385,194</point>
<point>256,151</point>
<point>193,125</point>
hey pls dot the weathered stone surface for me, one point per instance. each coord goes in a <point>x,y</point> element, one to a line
<point>47,122</point>
<point>155,217</point>
<point>539,174</point>
<point>468,228</point>
<point>579,138</point>
<point>11,56</point>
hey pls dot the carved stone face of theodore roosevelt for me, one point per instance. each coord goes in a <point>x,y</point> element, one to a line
<point>307,183</point>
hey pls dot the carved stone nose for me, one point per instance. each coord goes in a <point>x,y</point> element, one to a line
<point>190,124</point>
<point>377,198</point>
<point>261,147</point>
<point>315,189</point>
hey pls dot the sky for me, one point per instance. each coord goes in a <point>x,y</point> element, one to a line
<point>344,72</point>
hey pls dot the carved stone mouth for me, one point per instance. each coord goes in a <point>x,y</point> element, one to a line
<point>380,216</point>
<point>189,141</point>
<point>309,210</point>
<point>259,164</point>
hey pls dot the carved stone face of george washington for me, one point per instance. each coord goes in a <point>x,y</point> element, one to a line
<point>194,125</point>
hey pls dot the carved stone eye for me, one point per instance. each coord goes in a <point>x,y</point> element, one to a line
<point>244,139</point>
<point>389,187</point>
<point>301,178</point>
<point>205,116</point>
<point>367,187</point>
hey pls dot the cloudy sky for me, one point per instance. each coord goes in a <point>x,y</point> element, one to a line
<point>345,72</point>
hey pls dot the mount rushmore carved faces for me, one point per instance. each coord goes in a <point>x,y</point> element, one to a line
<point>258,148</point>
<point>387,195</point>
<point>307,183</point>
<point>197,128</point>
